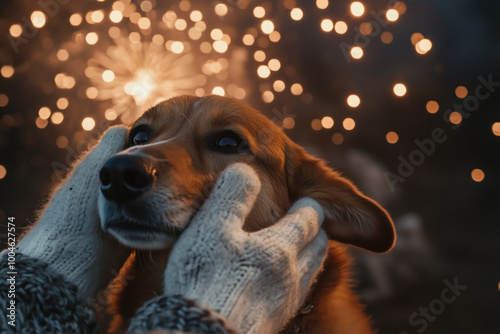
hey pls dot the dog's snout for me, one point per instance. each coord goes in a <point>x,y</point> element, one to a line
<point>126,177</point>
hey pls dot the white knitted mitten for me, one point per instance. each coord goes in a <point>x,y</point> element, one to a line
<point>68,235</point>
<point>257,281</point>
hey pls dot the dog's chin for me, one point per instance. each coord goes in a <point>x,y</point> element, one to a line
<point>139,236</point>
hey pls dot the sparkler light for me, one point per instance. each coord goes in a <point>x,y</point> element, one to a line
<point>141,75</point>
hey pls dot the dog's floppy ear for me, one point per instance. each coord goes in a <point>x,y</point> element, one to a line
<point>350,217</point>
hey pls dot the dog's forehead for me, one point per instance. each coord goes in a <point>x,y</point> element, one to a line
<point>204,113</point>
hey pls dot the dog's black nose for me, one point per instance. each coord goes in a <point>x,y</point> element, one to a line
<point>126,177</point>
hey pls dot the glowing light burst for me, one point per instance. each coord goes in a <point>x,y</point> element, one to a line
<point>144,74</point>
<point>140,89</point>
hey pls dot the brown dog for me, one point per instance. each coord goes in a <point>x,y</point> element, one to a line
<point>179,148</point>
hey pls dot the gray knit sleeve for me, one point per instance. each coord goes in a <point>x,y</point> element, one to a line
<point>39,300</point>
<point>177,314</point>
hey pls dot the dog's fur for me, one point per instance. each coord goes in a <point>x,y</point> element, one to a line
<point>182,132</point>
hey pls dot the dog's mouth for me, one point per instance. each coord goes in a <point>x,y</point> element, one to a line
<point>128,226</point>
<point>140,235</point>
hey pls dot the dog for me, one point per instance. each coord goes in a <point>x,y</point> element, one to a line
<point>176,152</point>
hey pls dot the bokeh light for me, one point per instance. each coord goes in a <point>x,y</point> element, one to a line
<point>196,16</point>
<point>455,117</point>
<point>7,71</point>
<point>288,123</point>
<point>91,38</point>
<point>322,4</point>
<point>4,100</point>
<point>267,27</point>
<point>108,76</point>
<point>316,124</point>
<point>432,107</point>
<point>327,25</point>
<point>399,89</point>
<point>349,124</point>
<point>248,39</point>
<point>423,46</point>
<point>38,19</point>
<point>340,27</point>
<point>357,8</point>
<point>263,71</point>
<point>392,137</point>
<point>178,47</point>
<point>259,56</point>
<point>461,92</point>
<point>268,96</point>
<point>296,14</point>
<point>116,16</point>
<point>146,6</point>
<point>88,123</point>
<point>3,172</point>
<point>16,30</point>
<point>477,175</point>
<point>356,52</point>
<point>75,19</point>
<point>44,113</point>
<point>327,122</point>
<point>274,64</point>
<point>279,86</point>
<point>353,101</point>
<point>296,89</point>
<point>259,12</point>
<point>41,123</point>
<point>57,117</point>
<point>110,114</point>
<point>495,128</point>
<point>218,91</point>
<point>337,138</point>
<point>97,16</point>
<point>62,55</point>
<point>144,23</point>
<point>400,6</point>
<point>366,28</point>
<point>220,9</point>
<point>386,37</point>
<point>62,103</point>
<point>392,15</point>
<point>92,92</point>
<point>62,141</point>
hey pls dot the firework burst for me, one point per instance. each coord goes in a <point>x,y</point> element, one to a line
<point>141,74</point>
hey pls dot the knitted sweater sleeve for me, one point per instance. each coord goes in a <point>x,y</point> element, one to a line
<point>176,314</point>
<point>36,299</point>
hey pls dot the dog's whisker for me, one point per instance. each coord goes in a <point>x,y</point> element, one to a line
<point>187,119</point>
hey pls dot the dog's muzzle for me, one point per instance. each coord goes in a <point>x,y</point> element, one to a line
<point>125,177</point>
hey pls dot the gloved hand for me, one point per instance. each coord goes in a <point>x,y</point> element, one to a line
<point>68,235</point>
<point>257,281</point>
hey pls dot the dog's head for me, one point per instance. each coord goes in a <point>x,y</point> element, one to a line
<point>178,149</point>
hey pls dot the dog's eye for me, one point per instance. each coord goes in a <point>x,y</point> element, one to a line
<point>228,142</point>
<point>140,135</point>
<point>141,138</point>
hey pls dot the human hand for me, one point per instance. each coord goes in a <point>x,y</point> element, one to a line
<point>68,235</point>
<point>257,281</point>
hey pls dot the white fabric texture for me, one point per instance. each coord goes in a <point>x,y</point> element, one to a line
<point>257,281</point>
<point>68,236</point>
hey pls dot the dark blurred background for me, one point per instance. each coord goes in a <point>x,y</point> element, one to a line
<point>69,69</point>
